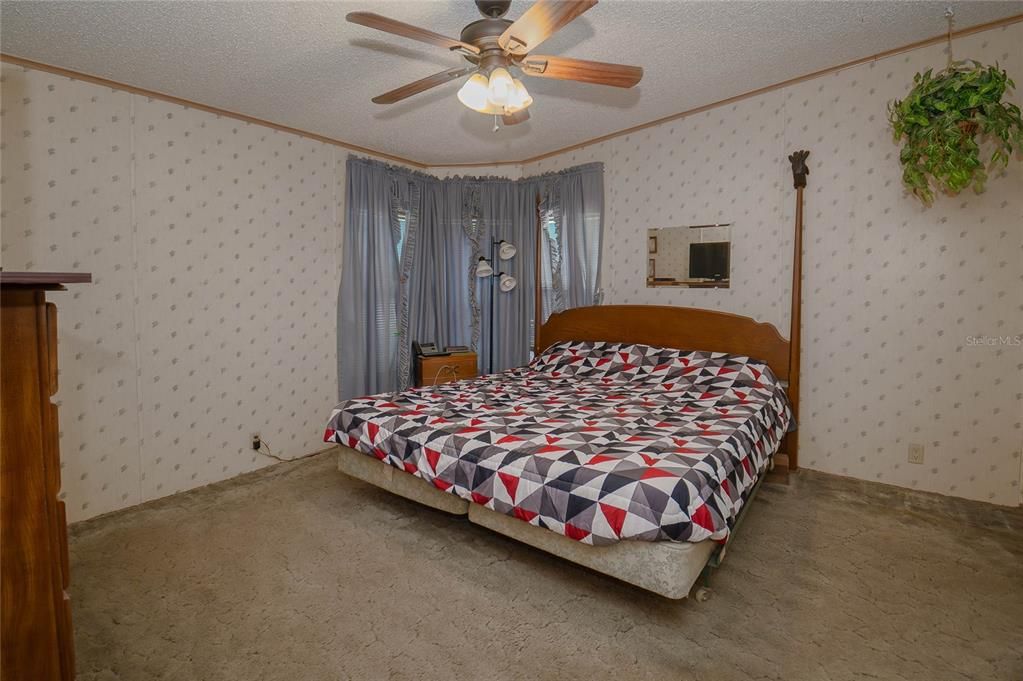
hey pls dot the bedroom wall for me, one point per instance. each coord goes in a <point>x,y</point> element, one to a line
<point>893,292</point>
<point>214,251</point>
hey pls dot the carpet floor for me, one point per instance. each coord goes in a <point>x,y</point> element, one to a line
<point>299,573</point>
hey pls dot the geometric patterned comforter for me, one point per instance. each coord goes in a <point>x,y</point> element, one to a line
<point>596,441</point>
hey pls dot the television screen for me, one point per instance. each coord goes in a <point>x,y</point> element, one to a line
<point>708,260</point>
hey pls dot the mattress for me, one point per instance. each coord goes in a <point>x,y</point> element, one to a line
<point>599,442</point>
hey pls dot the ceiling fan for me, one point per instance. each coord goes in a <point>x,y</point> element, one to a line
<point>493,46</point>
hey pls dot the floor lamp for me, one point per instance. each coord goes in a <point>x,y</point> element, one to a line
<point>499,281</point>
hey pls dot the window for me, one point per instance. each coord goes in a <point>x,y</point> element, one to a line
<point>402,233</point>
<point>552,229</point>
<point>387,315</point>
<point>550,243</point>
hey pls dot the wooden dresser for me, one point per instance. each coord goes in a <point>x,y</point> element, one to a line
<point>446,368</point>
<point>35,613</point>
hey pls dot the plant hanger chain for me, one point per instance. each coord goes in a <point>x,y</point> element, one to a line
<point>950,15</point>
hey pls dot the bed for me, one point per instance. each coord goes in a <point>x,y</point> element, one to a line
<point>631,445</point>
<point>665,422</point>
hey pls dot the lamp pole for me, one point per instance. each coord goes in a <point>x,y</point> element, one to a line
<point>493,305</point>
<point>499,250</point>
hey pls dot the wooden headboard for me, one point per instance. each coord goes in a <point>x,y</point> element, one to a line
<point>682,328</point>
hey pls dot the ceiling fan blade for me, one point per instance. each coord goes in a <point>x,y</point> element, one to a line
<point>540,22</point>
<point>409,31</point>
<point>422,85</point>
<point>516,118</point>
<point>583,70</point>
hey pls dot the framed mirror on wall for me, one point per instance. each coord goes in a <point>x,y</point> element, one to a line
<point>690,256</point>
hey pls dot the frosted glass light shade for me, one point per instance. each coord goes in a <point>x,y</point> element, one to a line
<point>519,98</point>
<point>506,251</point>
<point>507,282</point>
<point>474,93</point>
<point>501,87</point>
<point>483,268</point>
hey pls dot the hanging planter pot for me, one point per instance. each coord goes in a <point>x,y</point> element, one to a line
<point>970,127</point>
<point>943,122</point>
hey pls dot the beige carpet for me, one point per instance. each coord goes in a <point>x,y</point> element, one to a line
<point>298,573</point>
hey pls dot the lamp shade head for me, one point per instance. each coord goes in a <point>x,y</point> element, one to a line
<point>501,87</point>
<point>483,268</point>
<point>507,282</point>
<point>518,97</point>
<point>506,251</point>
<point>474,93</point>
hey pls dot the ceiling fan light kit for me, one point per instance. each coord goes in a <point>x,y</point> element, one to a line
<point>499,95</point>
<point>494,46</point>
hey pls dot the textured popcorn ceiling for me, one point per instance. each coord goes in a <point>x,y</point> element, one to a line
<point>301,65</point>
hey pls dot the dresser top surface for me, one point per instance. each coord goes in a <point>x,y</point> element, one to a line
<point>44,278</point>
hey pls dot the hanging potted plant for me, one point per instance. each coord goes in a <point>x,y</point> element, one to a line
<point>945,119</point>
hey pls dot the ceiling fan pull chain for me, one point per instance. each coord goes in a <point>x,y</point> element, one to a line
<point>496,127</point>
<point>949,15</point>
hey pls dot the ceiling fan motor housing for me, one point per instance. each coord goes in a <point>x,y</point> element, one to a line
<point>484,34</point>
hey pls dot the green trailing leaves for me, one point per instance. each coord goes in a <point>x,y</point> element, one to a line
<point>942,121</point>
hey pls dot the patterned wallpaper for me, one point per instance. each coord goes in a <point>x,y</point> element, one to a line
<point>66,193</point>
<point>237,293</point>
<point>898,299</point>
<point>215,249</point>
<point>212,313</point>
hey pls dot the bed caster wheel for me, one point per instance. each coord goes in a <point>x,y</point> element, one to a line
<point>702,594</point>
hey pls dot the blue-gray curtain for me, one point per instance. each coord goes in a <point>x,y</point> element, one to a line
<point>572,228</point>
<point>506,211</point>
<point>581,228</point>
<point>439,309</point>
<point>368,304</point>
<point>411,245</point>
<point>404,277</point>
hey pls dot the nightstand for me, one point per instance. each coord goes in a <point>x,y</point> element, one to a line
<point>446,368</point>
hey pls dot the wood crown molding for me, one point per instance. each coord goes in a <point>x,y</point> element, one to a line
<point>189,104</point>
<point>105,82</point>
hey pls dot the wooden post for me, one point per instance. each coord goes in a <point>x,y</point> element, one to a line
<point>799,173</point>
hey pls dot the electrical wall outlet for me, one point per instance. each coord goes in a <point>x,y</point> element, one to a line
<point>916,453</point>
<point>257,443</point>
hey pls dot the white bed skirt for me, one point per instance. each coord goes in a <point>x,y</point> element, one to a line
<point>666,568</point>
